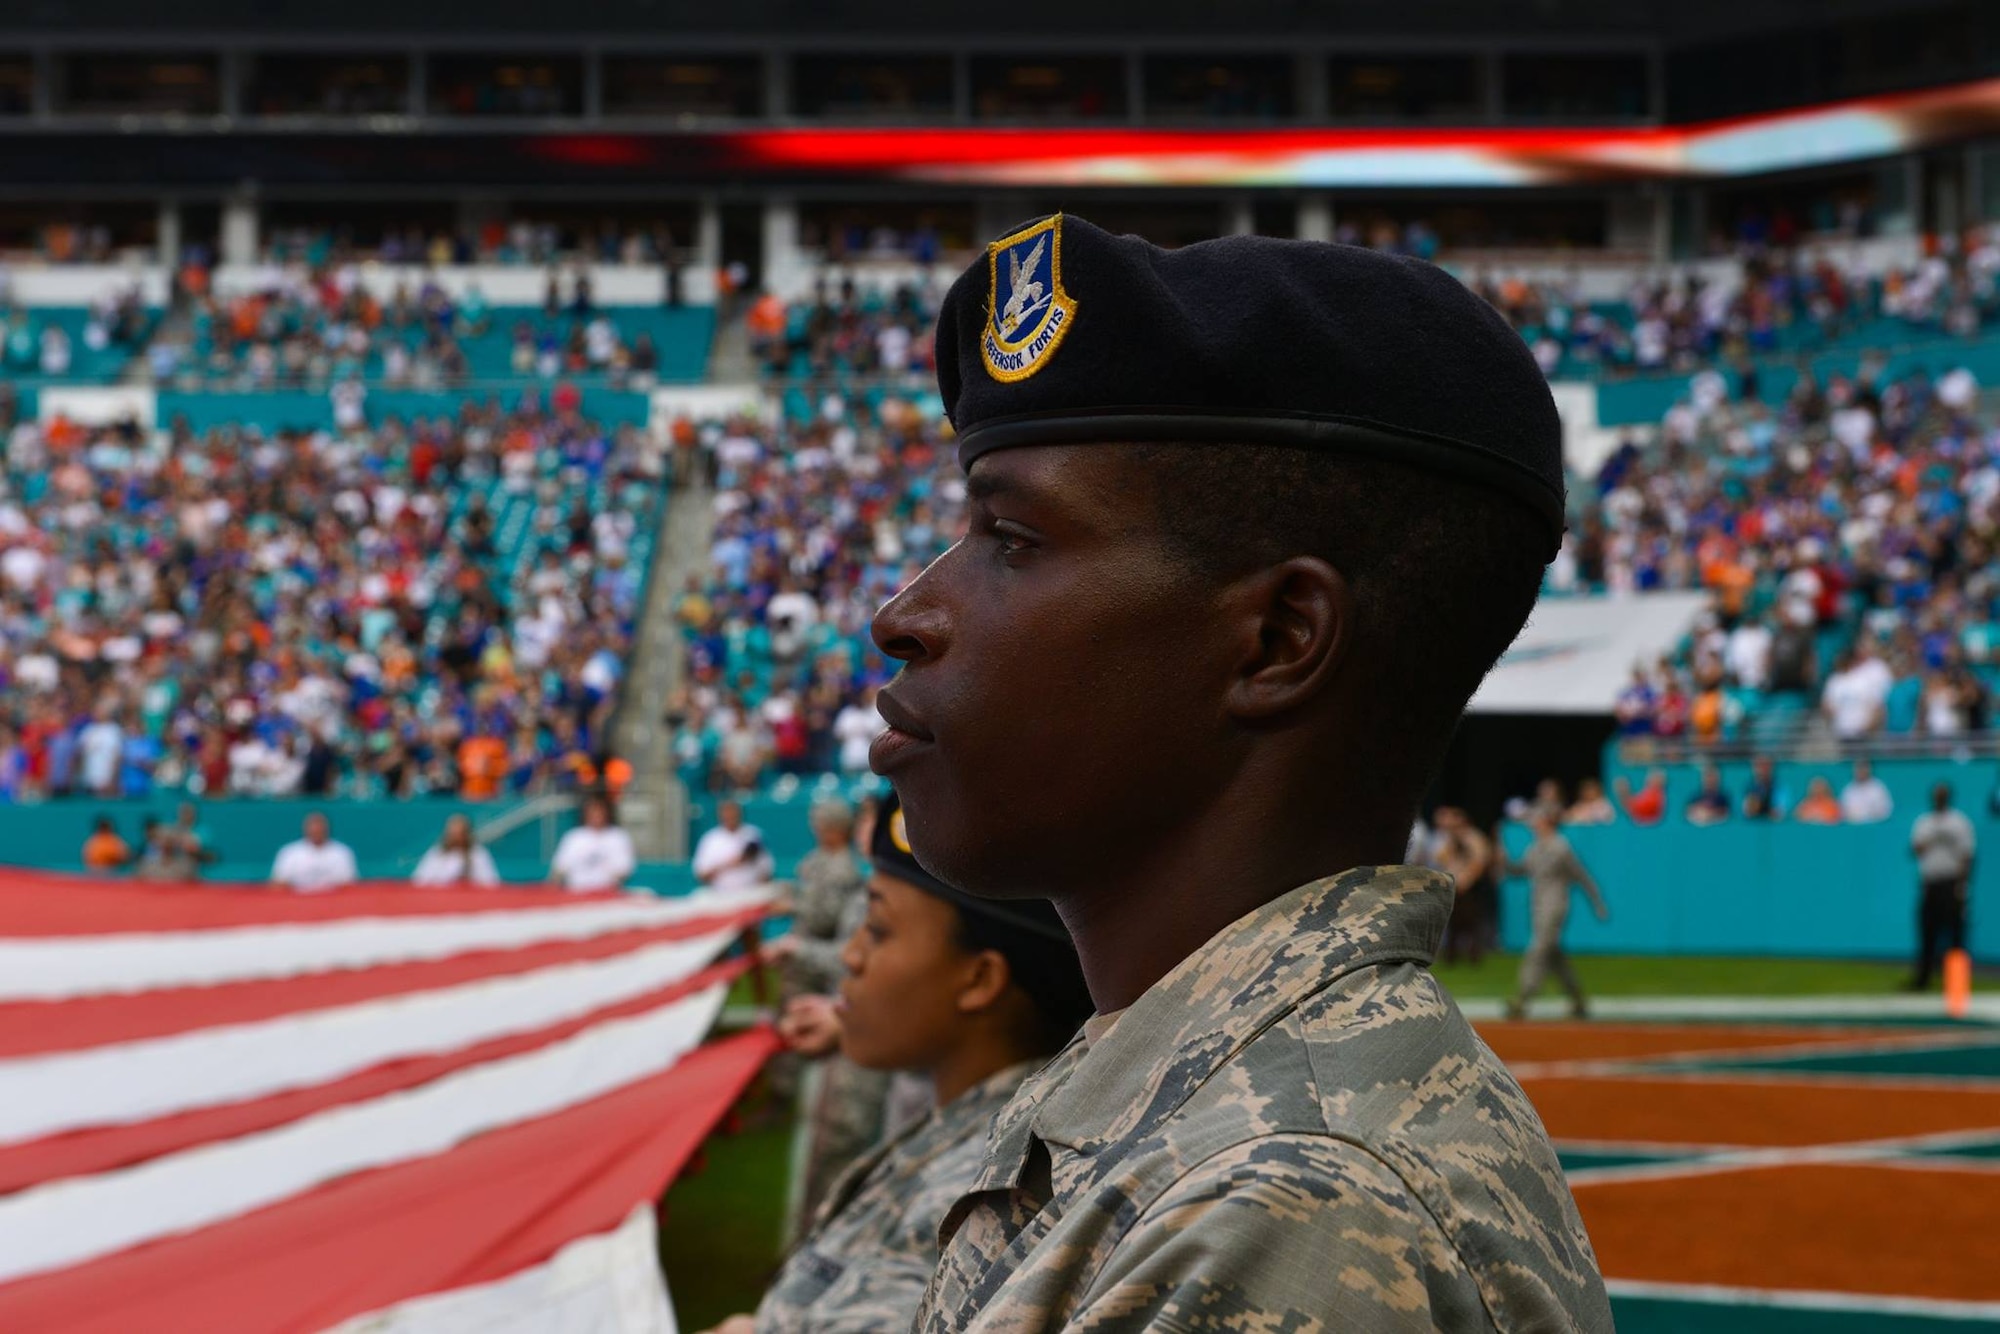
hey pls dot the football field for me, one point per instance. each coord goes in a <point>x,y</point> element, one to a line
<point>1755,1144</point>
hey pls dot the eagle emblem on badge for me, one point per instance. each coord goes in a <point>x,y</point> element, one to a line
<point>1027,311</point>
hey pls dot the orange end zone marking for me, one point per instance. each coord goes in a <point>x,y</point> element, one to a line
<point>1845,1228</point>
<point>1698,1112</point>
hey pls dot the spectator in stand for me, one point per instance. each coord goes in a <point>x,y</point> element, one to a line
<point>1636,705</point>
<point>1820,806</point>
<point>1944,845</point>
<point>1865,799</point>
<point>1710,804</point>
<point>104,850</point>
<point>1591,807</point>
<point>482,763</point>
<point>1855,695</point>
<point>1647,806</point>
<point>457,858</point>
<point>1764,799</point>
<point>596,855</point>
<point>732,855</point>
<point>315,862</point>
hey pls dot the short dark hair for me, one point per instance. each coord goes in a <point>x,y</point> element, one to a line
<point>1444,570</point>
<point>1047,973</point>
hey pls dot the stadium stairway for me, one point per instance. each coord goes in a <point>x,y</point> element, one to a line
<point>654,809</point>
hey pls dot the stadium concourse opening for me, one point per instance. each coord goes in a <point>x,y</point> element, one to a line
<point>448,468</point>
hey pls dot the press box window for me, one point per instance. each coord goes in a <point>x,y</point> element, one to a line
<point>1574,87</point>
<point>862,87</point>
<point>1058,88</point>
<point>344,85</point>
<point>724,87</point>
<point>1405,87</point>
<point>108,84</point>
<point>1220,87</point>
<point>506,86</point>
<point>17,85</point>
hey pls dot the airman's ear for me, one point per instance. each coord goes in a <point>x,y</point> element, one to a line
<point>1296,622</point>
<point>985,982</point>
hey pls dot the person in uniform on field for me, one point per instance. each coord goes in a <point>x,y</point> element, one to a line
<point>841,1103</point>
<point>1248,522</point>
<point>974,994</point>
<point>1552,869</point>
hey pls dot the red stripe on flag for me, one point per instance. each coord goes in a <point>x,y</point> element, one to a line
<point>34,1027</point>
<point>34,903</point>
<point>101,1149</point>
<point>488,1208</point>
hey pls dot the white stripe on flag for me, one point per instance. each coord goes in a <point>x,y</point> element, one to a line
<point>604,1284</point>
<point>128,1082</point>
<point>72,1221</point>
<point>62,967</point>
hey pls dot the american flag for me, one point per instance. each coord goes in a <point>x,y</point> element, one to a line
<point>378,1109</point>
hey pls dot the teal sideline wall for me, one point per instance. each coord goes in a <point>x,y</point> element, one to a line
<point>1846,891</point>
<point>1736,888</point>
<point>287,409</point>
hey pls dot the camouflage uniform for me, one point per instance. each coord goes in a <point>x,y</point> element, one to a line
<point>843,1104</point>
<point>831,885</point>
<point>863,1266</point>
<point>1294,1130</point>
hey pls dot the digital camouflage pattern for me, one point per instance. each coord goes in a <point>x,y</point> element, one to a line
<point>1295,1130</point>
<point>862,1267</point>
<point>832,898</point>
<point>846,1107</point>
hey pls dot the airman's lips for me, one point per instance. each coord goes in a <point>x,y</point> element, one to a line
<point>905,735</point>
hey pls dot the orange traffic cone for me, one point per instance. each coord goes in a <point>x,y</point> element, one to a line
<point>1957,984</point>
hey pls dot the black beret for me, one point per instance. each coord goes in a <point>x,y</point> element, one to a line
<point>1026,932</point>
<point>1065,334</point>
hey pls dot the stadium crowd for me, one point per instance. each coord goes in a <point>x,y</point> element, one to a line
<point>316,612</point>
<point>815,528</point>
<point>1787,302</point>
<point>500,241</point>
<point>1849,542</point>
<point>312,328</point>
<point>846,328</point>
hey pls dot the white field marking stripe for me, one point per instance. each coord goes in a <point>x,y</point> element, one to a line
<point>1700,1163</point>
<point>70,1222</point>
<point>1791,1079</point>
<point>1797,1051</point>
<point>1985,1007</point>
<point>128,1082</point>
<point>1646,1146</point>
<point>1936,1308</point>
<point>605,1283</point>
<point>64,967</point>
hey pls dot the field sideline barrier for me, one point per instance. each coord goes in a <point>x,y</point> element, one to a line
<point>1844,891</point>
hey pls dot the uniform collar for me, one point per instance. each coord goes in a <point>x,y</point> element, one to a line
<point>1214,1002</point>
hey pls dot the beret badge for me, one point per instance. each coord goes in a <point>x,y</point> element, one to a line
<point>1027,311</point>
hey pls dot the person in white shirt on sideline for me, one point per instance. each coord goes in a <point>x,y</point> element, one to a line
<point>596,854</point>
<point>316,862</point>
<point>456,859</point>
<point>1865,799</point>
<point>732,855</point>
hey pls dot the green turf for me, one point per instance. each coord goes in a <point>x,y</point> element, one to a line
<point>1984,1152</point>
<point>719,1241</point>
<point>1948,1062</point>
<point>1663,975</point>
<point>1576,1160</point>
<point>1652,1315</point>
